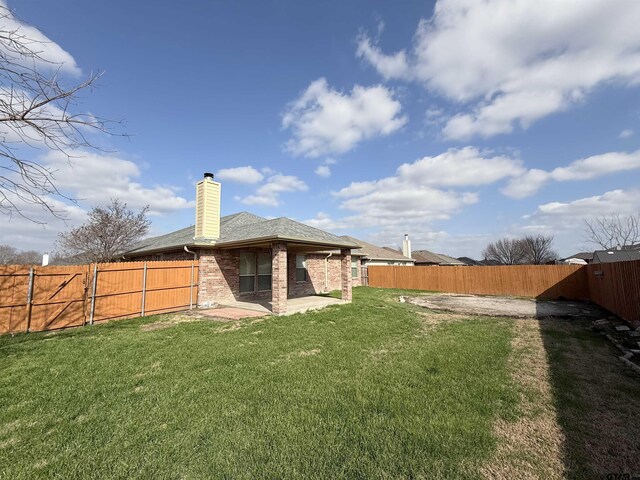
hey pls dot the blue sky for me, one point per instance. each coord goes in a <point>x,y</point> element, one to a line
<point>458,122</point>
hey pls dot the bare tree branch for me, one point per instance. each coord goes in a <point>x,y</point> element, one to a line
<point>107,234</point>
<point>36,113</point>
<point>538,249</point>
<point>613,231</point>
<point>506,251</point>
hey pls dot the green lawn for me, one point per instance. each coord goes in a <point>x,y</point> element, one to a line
<point>358,391</point>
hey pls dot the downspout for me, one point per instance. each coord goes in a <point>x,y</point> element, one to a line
<point>326,272</point>
<point>192,276</point>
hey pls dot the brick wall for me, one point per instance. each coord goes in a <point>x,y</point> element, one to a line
<point>316,274</point>
<point>220,274</point>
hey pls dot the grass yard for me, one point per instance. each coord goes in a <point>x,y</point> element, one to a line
<point>373,389</point>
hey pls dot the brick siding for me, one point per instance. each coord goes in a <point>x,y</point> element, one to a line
<point>220,274</point>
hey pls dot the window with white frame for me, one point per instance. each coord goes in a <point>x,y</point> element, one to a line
<point>354,267</point>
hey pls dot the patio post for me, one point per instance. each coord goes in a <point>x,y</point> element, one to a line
<point>345,273</point>
<point>278,278</point>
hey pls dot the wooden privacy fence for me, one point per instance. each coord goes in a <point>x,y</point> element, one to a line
<point>34,299</point>
<point>613,286</point>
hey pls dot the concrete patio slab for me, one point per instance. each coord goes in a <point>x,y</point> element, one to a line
<point>505,306</point>
<point>294,305</point>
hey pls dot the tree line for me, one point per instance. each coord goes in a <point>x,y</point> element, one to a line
<point>529,250</point>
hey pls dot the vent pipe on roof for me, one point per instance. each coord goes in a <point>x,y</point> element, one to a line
<point>207,208</point>
<point>406,246</point>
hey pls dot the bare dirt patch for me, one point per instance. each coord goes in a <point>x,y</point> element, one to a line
<point>505,306</point>
<point>173,319</point>
<point>578,406</point>
<point>430,320</point>
<point>532,446</point>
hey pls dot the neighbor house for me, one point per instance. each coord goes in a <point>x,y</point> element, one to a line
<point>244,256</point>
<point>579,258</point>
<point>373,255</point>
<point>425,257</point>
<point>610,256</point>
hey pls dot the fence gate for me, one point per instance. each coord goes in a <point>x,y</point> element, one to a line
<point>58,298</point>
<point>364,276</point>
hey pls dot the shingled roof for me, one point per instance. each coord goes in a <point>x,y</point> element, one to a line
<point>425,256</point>
<point>243,228</point>
<point>373,252</point>
<point>611,256</point>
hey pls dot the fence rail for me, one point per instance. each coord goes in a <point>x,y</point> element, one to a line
<point>47,298</point>
<point>613,286</point>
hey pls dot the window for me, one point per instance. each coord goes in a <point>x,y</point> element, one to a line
<point>247,272</point>
<point>354,268</point>
<point>255,270</point>
<point>301,268</point>
<point>264,271</point>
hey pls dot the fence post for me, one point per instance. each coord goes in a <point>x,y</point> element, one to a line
<point>30,297</point>
<point>191,286</point>
<point>93,292</point>
<point>144,288</point>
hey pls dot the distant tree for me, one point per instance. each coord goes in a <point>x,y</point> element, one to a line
<point>506,251</point>
<point>107,234</point>
<point>538,249</point>
<point>7,254</point>
<point>11,256</point>
<point>28,257</point>
<point>613,231</point>
<point>36,113</point>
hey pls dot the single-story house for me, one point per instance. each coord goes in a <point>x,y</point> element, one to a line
<point>373,255</point>
<point>478,263</point>
<point>586,256</point>
<point>244,256</point>
<point>425,257</point>
<point>610,256</point>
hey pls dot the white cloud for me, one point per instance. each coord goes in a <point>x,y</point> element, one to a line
<point>50,56</point>
<point>389,66</point>
<point>526,184</point>
<point>416,193</point>
<point>92,180</point>
<point>460,167</point>
<point>95,179</point>
<point>323,171</point>
<point>583,169</point>
<point>240,175</point>
<point>325,121</point>
<point>568,215</point>
<point>512,62</point>
<point>268,194</point>
<point>626,133</point>
<point>323,221</point>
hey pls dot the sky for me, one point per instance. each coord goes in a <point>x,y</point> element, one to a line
<point>458,122</point>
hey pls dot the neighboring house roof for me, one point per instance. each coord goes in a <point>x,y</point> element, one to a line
<point>425,256</point>
<point>610,256</point>
<point>470,261</point>
<point>243,229</point>
<point>582,256</point>
<point>373,252</point>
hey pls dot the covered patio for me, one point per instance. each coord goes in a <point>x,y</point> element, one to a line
<point>294,305</point>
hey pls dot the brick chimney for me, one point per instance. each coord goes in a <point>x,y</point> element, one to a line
<point>207,208</point>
